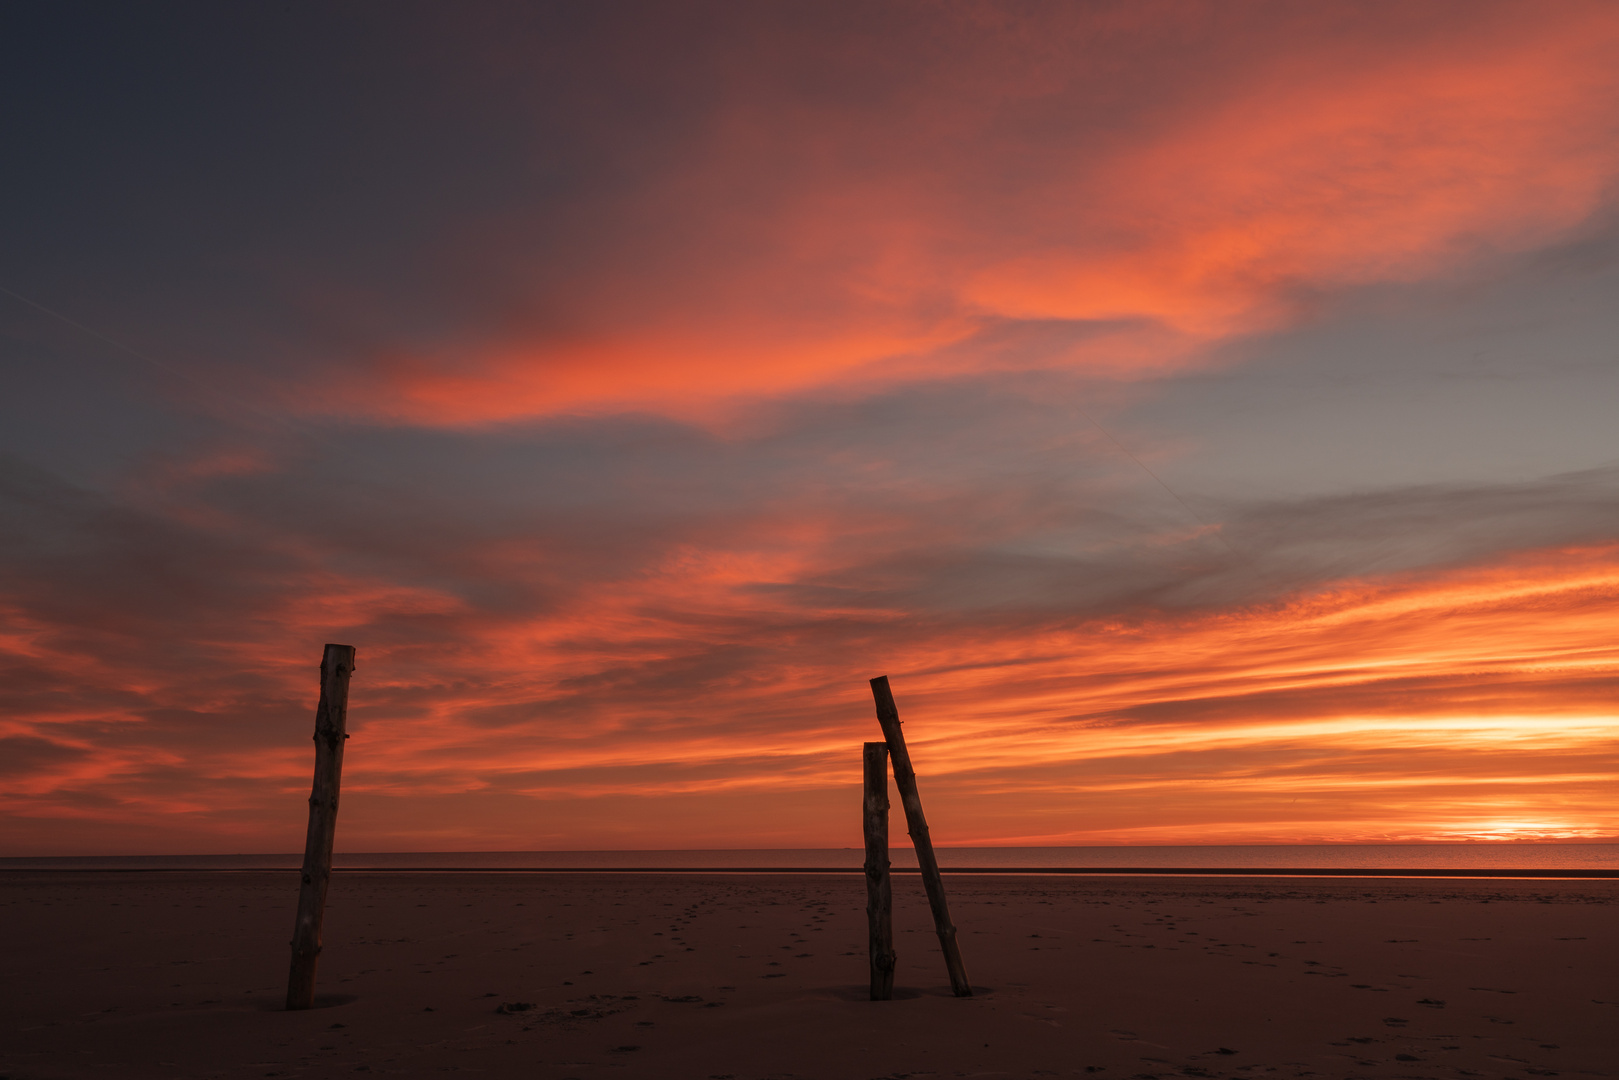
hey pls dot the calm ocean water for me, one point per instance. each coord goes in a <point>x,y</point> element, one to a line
<point>1476,856</point>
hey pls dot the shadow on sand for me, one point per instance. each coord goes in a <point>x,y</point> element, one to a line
<point>322,1001</point>
<point>901,993</point>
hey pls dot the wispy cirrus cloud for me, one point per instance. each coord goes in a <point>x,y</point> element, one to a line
<point>719,652</point>
<point>1153,181</point>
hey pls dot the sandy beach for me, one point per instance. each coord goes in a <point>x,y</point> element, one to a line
<point>745,977</point>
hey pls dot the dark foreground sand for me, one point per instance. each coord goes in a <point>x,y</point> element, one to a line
<point>746,977</point>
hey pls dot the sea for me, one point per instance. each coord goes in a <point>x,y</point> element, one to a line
<point>1442,858</point>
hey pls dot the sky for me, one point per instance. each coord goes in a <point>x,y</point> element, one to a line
<point>1202,413</point>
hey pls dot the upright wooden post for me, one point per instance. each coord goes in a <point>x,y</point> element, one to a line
<point>905,780</point>
<point>879,893</point>
<point>331,718</point>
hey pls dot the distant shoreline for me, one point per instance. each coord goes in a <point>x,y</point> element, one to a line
<point>1517,859</point>
<point>1012,871</point>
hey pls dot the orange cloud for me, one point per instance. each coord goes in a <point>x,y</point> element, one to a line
<point>796,245</point>
<point>1311,176</point>
<point>1474,703</point>
<point>1409,708</point>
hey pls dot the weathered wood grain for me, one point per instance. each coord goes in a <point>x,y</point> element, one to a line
<point>331,720</point>
<point>879,890</point>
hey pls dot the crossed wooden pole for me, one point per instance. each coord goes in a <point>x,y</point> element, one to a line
<point>879,892</point>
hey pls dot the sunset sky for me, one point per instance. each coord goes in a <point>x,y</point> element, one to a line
<point>1206,414</point>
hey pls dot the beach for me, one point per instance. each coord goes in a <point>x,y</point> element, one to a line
<point>753,976</point>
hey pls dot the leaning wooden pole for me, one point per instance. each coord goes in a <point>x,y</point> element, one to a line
<point>331,719</point>
<point>905,781</point>
<point>879,892</point>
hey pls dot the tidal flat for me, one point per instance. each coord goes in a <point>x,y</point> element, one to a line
<point>755,976</point>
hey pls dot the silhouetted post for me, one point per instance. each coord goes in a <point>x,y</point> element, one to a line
<point>879,894</point>
<point>917,824</point>
<point>331,717</point>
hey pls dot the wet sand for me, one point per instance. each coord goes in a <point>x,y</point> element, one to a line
<point>720,977</point>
